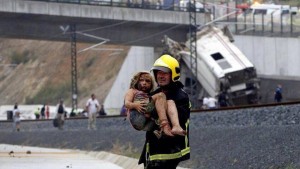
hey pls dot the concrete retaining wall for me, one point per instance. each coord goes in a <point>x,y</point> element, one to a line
<point>138,58</point>
<point>272,56</point>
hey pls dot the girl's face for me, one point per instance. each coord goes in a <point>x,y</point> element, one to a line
<point>145,83</point>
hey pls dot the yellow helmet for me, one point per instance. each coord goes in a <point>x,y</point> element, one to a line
<point>167,63</point>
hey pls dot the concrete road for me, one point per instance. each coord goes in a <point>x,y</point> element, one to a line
<point>16,157</point>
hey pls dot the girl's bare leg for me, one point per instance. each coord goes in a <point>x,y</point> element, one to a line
<point>161,108</point>
<point>173,116</point>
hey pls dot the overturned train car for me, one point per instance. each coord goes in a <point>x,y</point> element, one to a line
<point>221,66</point>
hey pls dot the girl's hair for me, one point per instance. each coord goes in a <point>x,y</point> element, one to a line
<point>136,77</point>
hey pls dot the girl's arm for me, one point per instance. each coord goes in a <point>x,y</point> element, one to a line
<point>129,104</point>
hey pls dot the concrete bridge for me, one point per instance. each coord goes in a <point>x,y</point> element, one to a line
<point>143,28</point>
<point>46,20</point>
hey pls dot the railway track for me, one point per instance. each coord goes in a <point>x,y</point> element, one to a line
<point>254,136</point>
<point>223,109</point>
<point>247,106</point>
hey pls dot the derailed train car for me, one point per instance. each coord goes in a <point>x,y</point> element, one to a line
<point>221,66</point>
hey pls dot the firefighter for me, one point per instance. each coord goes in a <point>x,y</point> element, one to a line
<point>168,151</point>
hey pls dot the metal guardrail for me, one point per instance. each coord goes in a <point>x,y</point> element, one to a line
<point>261,25</point>
<point>143,4</point>
<point>268,25</point>
<point>284,24</point>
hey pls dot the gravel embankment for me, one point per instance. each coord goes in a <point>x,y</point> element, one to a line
<point>255,138</point>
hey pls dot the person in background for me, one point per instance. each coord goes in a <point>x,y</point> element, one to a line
<point>73,113</point>
<point>37,113</point>
<point>278,94</point>
<point>84,113</point>
<point>167,152</point>
<point>102,111</point>
<point>212,103</point>
<point>223,100</point>
<point>60,114</point>
<point>205,103</point>
<point>43,109</point>
<point>92,107</point>
<point>47,112</point>
<point>16,118</point>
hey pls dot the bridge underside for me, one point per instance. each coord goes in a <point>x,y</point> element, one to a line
<point>30,26</point>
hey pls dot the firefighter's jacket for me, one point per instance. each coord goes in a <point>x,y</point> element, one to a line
<point>170,148</point>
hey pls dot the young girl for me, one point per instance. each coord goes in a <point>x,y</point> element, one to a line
<point>141,107</point>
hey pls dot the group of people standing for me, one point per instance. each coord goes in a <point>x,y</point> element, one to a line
<point>92,108</point>
<point>212,103</point>
<point>16,115</point>
<point>43,113</point>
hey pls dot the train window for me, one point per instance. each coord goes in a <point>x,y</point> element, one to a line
<point>222,62</point>
<point>217,56</point>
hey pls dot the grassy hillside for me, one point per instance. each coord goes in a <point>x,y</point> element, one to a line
<point>38,72</point>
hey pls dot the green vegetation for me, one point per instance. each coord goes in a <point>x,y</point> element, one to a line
<point>284,166</point>
<point>51,94</point>
<point>86,66</point>
<point>90,62</point>
<point>23,57</point>
<point>291,166</point>
<point>108,76</point>
<point>2,77</point>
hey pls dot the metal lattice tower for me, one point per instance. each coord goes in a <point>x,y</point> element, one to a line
<point>74,65</point>
<point>193,51</point>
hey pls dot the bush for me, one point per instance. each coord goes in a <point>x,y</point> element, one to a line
<point>51,94</point>
<point>18,58</point>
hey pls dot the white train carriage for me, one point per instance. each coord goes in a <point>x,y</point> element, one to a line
<point>221,66</point>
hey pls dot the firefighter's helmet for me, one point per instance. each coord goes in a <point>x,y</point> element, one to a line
<point>167,63</point>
